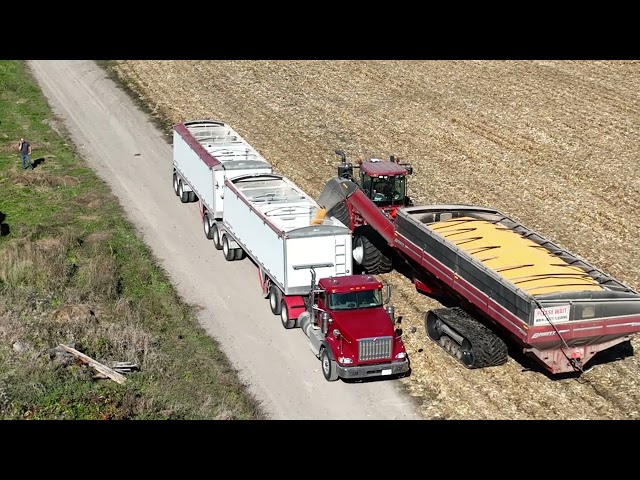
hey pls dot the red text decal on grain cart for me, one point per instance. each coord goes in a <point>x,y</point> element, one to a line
<point>305,272</point>
<point>384,182</point>
<point>499,279</point>
<point>205,152</point>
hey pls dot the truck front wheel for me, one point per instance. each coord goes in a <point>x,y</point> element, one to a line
<point>329,367</point>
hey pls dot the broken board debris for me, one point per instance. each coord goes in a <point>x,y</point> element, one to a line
<point>103,369</point>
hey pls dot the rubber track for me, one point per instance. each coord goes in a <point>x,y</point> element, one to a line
<point>488,349</point>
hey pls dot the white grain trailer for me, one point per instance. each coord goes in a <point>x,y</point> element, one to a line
<point>269,218</point>
<point>205,153</point>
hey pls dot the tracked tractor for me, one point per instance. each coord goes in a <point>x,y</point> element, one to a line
<point>384,182</point>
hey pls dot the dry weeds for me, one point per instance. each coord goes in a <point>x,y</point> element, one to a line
<point>553,143</point>
<point>45,272</point>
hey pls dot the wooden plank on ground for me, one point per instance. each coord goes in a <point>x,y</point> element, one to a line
<point>112,374</point>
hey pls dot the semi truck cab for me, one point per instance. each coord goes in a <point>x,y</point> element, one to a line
<point>352,329</point>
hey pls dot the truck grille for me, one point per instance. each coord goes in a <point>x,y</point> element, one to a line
<point>375,348</point>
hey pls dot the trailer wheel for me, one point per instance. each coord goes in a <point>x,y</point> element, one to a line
<point>184,196</point>
<point>215,234</point>
<point>329,367</point>
<point>206,224</point>
<point>238,253</point>
<point>175,183</point>
<point>284,316</point>
<point>192,196</point>
<point>275,300</point>
<point>228,252</point>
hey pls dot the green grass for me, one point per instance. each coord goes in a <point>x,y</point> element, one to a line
<point>74,272</point>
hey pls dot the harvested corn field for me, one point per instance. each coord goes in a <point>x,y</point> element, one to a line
<point>552,143</point>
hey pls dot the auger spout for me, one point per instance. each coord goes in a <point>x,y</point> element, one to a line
<point>335,191</point>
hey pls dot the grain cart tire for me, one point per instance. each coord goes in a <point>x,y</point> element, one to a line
<point>275,300</point>
<point>184,196</point>
<point>175,183</point>
<point>215,235</point>
<point>371,252</point>
<point>228,252</point>
<point>284,316</point>
<point>206,225</point>
<point>329,367</point>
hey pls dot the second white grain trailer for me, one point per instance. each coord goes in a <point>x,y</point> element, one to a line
<point>268,218</point>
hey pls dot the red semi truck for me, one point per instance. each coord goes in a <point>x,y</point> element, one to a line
<point>305,267</point>
<point>498,281</point>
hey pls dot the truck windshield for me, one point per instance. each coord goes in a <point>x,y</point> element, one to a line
<point>355,300</point>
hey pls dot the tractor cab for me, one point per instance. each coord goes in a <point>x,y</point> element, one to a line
<point>383,181</point>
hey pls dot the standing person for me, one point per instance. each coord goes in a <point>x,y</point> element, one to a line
<point>25,153</point>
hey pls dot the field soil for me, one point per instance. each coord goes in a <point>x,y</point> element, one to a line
<point>555,144</point>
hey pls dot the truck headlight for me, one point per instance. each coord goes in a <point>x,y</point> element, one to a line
<point>345,360</point>
<point>401,355</point>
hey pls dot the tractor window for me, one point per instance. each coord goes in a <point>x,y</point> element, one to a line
<point>355,300</point>
<point>399,188</point>
<point>381,189</point>
<point>389,190</point>
<point>366,184</point>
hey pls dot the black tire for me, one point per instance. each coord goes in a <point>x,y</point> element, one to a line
<point>228,252</point>
<point>206,225</point>
<point>192,196</point>
<point>341,212</point>
<point>175,183</point>
<point>329,367</point>
<point>238,253</point>
<point>275,300</point>
<point>376,254</point>
<point>215,235</point>
<point>284,316</point>
<point>184,195</point>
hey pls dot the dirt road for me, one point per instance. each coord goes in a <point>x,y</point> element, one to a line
<point>134,158</point>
